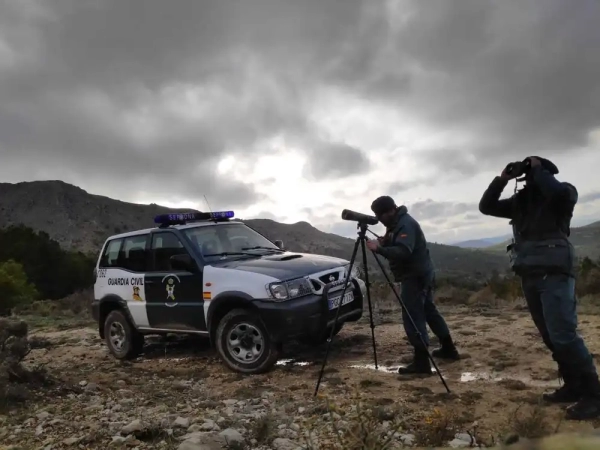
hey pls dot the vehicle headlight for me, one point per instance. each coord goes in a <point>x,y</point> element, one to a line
<point>287,290</point>
<point>356,272</point>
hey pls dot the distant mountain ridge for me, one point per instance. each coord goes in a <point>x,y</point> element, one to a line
<point>482,243</point>
<point>82,221</point>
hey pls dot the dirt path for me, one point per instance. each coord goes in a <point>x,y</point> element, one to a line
<point>505,367</point>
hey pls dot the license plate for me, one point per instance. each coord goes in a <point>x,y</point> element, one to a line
<point>335,302</point>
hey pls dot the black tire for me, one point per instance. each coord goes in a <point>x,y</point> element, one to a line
<point>132,342</point>
<point>322,338</point>
<point>245,324</point>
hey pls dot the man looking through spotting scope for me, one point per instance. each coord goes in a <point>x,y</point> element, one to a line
<point>542,255</point>
<point>405,248</point>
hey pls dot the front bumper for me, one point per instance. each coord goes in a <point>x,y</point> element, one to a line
<point>310,315</point>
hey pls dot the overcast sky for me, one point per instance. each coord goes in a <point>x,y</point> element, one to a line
<point>295,110</point>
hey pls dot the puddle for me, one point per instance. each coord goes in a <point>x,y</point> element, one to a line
<point>384,369</point>
<point>291,362</point>
<point>467,377</point>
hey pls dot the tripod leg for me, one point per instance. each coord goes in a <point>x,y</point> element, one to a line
<point>411,321</point>
<point>364,255</point>
<point>337,314</point>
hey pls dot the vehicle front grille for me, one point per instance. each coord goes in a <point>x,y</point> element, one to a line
<point>330,277</point>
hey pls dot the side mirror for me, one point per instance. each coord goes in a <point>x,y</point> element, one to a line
<point>183,262</point>
<point>279,244</point>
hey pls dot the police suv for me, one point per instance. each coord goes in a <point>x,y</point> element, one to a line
<point>206,274</point>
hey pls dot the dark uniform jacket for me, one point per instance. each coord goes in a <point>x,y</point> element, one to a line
<point>405,247</point>
<point>540,215</point>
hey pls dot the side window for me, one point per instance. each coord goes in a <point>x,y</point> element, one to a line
<point>110,256</point>
<point>165,245</point>
<point>133,253</point>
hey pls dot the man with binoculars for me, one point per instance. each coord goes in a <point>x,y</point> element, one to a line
<point>543,257</point>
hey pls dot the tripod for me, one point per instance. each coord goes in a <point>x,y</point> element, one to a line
<point>362,231</point>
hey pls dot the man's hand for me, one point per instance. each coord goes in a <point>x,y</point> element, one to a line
<point>372,245</point>
<point>505,176</point>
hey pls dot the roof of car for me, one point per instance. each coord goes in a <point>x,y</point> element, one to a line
<point>172,227</point>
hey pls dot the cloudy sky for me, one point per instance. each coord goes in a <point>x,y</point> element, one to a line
<point>295,110</point>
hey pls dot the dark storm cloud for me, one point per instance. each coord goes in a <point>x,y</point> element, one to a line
<point>518,77</point>
<point>134,97</point>
<point>439,211</point>
<point>148,96</point>
<point>336,160</point>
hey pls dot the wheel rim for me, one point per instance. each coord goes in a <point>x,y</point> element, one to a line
<point>117,336</point>
<point>245,343</point>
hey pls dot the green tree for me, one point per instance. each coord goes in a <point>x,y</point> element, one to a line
<point>15,288</point>
<point>55,272</point>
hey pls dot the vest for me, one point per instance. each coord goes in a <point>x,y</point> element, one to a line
<point>541,230</point>
<point>419,263</point>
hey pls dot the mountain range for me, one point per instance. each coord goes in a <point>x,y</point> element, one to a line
<point>81,221</point>
<point>482,243</point>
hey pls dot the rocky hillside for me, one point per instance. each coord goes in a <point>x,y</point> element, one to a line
<point>82,221</point>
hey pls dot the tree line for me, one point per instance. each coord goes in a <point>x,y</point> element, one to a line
<point>34,267</point>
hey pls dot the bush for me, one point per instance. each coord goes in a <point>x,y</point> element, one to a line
<point>14,377</point>
<point>15,289</point>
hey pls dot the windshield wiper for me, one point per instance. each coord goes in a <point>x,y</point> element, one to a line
<point>230,254</point>
<point>259,247</point>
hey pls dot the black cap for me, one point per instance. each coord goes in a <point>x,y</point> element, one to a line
<point>547,164</point>
<point>382,205</point>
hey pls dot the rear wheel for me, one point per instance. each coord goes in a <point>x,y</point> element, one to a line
<point>244,343</point>
<point>122,339</point>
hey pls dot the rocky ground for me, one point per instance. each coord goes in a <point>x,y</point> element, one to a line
<point>178,395</point>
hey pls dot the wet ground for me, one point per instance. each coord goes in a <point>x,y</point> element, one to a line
<point>505,368</point>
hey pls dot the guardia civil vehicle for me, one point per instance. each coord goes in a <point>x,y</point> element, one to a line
<point>212,275</point>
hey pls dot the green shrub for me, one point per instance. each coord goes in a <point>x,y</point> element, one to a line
<point>15,288</point>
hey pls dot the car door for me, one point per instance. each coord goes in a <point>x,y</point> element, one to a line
<point>173,296</point>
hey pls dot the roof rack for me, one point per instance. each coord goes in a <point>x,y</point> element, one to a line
<point>167,220</point>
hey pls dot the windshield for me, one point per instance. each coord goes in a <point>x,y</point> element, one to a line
<point>229,241</point>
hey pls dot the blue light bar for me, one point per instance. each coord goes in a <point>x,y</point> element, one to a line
<point>182,218</point>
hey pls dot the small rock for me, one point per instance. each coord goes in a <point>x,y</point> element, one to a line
<point>407,439</point>
<point>43,415</point>
<point>136,425</point>
<point>231,436</point>
<point>83,383</point>
<point>71,441</point>
<point>458,443</point>
<point>181,422</point>
<point>209,425</point>
<point>284,444</point>
<point>465,437</point>
<point>91,387</point>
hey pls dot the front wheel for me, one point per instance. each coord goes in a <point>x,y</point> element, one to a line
<point>244,343</point>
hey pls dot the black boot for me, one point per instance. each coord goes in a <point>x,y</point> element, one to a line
<point>570,392</point>
<point>447,350</point>
<point>588,407</point>
<point>420,365</point>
